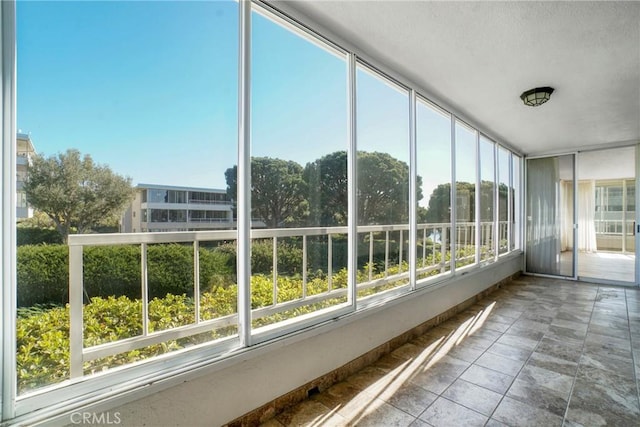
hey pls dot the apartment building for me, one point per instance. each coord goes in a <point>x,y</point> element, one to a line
<point>24,152</point>
<point>173,208</point>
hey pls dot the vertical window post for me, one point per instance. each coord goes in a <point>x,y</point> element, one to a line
<point>8,292</point>
<point>352,203</point>
<point>453,199</point>
<point>496,203</point>
<point>244,173</point>
<point>478,199</point>
<point>413,200</point>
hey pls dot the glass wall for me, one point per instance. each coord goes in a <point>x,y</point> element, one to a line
<point>606,214</point>
<point>505,209</point>
<point>298,171</point>
<point>466,184</point>
<point>516,202</point>
<point>433,139</point>
<point>133,92</point>
<point>147,92</point>
<point>383,182</point>
<point>487,200</point>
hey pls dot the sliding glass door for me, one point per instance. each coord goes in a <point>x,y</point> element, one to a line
<point>607,215</point>
<point>550,216</point>
<point>581,216</point>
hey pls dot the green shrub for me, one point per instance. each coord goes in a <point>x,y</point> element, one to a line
<point>43,271</point>
<point>43,332</point>
<point>289,256</point>
<point>43,274</point>
<point>112,270</point>
<point>36,236</point>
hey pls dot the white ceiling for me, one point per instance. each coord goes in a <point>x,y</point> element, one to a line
<point>478,57</point>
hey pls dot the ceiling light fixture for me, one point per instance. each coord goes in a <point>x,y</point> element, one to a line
<point>537,96</point>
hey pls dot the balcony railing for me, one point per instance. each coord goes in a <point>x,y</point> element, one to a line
<point>433,248</point>
<point>614,226</point>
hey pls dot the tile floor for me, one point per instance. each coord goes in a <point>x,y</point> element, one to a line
<point>539,352</point>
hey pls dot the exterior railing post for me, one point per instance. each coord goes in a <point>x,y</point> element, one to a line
<point>75,311</point>
<point>275,270</point>
<point>304,266</point>
<point>443,250</point>
<point>329,263</point>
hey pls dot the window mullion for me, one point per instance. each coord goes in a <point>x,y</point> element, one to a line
<point>352,203</point>
<point>244,173</point>
<point>413,202</point>
<point>8,293</point>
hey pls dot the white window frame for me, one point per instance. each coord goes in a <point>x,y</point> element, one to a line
<point>131,379</point>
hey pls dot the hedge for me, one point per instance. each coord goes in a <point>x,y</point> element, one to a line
<point>35,236</point>
<point>43,271</point>
<point>43,335</point>
<point>43,332</point>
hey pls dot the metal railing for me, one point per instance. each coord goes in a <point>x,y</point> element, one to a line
<point>617,227</point>
<point>432,246</point>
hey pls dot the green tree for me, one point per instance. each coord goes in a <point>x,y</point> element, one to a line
<point>327,182</point>
<point>277,191</point>
<point>383,189</point>
<point>76,192</point>
<point>440,202</point>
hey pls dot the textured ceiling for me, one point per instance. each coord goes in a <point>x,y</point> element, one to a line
<point>478,57</point>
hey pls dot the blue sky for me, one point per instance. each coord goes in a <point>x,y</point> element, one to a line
<point>149,88</point>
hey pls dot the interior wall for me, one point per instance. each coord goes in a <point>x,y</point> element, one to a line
<point>215,395</point>
<point>615,163</point>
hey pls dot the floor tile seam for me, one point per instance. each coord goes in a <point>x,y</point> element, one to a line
<point>440,396</point>
<point>633,356</point>
<point>575,376</point>
<point>459,378</point>
<point>504,395</point>
<point>415,417</point>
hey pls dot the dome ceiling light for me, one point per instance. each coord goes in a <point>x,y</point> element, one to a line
<point>536,97</point>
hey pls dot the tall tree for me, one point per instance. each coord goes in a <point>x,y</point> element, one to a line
<point>277,191</point>
<point>76,192</point>
<point>440,202</point>
<point>383,189</point>
<point>327,182</point>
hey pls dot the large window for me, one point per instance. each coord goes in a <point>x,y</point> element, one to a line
<point>298,174</point>
<point>433,242</point>
<point>466,180</point>
<point>147,92</point>
<point>516,197</point>
<point>487,200</point>
<point>383,182</point>
<point>504,208</point>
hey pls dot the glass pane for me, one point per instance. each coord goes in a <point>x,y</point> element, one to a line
<point>117,94</point>
<point>383,183</point>
<point>434,208</point>
<point>466,170</point>
<point>606,214</point>
<point>504,168</point>
<point>487,200</point>
<point>550,216</point>
<point>516,202</point>
<point>298,172</point>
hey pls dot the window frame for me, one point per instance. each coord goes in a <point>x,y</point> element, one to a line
<point>175,366</point>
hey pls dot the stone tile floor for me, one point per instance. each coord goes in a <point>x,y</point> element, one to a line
<point>538,352</point>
